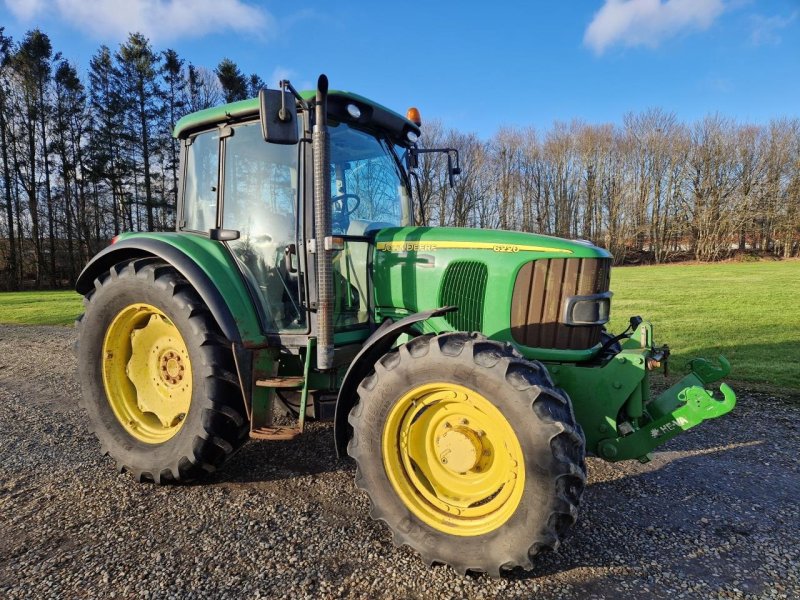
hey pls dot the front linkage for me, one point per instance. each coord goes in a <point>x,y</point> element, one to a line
<point>612,402</point>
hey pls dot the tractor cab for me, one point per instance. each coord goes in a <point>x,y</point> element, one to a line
<point>242,187</point>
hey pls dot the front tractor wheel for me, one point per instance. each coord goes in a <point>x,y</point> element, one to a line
<point>468,452</point>
<point>159,387</point>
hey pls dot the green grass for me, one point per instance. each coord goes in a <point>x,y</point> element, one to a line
<point>750,312</point>
<point>40,308</point>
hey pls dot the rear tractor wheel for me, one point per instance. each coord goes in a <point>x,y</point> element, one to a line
<point>159,386</point>
<point>468,452</point>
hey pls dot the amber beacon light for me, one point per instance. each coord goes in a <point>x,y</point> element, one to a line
<point>412,114</point>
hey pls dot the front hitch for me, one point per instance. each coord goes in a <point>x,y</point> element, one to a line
<point>683,406</point>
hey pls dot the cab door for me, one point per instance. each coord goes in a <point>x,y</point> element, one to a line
<point>260,191</point>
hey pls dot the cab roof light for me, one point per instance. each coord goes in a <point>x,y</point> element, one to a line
<point>412,114</point>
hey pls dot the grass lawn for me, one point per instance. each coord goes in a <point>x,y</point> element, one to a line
<point>750,312</point>
<point>40,308</point>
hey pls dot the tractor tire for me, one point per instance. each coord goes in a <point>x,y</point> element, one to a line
<point>468,452</point>
<point>158,379</point>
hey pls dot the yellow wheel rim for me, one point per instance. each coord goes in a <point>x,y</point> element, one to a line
<point>147,374</point>
<point>453,459</point>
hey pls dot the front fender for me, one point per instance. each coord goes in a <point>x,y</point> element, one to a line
<point>378,344</point>
<point>207,266</point>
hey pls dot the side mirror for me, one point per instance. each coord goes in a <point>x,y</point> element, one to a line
<point>223,235</point>
<point>453,169</point>
<point>278,114</point>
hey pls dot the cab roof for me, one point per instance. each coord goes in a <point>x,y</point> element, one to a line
<point>244,108</point>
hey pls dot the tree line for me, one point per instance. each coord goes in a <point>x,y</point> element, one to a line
<point>652,189</point>
<point>86,157</point>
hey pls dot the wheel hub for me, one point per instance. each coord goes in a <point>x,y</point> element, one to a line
<point>147,373</point>
<point>459,449</point>
<point>171,368</point>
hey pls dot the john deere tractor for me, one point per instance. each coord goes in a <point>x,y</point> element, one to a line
<point>467,371</point>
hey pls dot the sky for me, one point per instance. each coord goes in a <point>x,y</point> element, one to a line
<point>475,66</point>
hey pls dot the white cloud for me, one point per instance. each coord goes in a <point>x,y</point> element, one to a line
<point>648,22</point>
<point>25,10</point>
<point>766,30</point>
<point>160,20</point>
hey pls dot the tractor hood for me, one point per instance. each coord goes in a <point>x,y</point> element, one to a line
<point>529,245</point>
<point>498,280</point>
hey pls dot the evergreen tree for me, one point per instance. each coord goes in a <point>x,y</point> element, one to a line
<point>174,109</point>
<point>233,82</point>
<point>138,67</point>
<point>70,116</point>
<point>254,84</point>
<point>6,43</point>
<point>31,64</point>
<point>105,160</point>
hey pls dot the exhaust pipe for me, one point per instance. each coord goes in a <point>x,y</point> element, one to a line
<point>322,227</point>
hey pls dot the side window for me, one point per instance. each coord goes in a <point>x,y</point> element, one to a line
<point>260,201</point>
<point>200,183</point>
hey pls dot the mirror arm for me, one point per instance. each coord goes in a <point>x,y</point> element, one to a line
<point>284,84</point>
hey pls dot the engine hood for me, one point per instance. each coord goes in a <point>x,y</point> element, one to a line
<point>422,268</point>
<point>435,239</point>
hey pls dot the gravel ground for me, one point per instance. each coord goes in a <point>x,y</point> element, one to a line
<point>715,514</point>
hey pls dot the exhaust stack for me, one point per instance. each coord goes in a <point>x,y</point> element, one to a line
<point>322,227</point>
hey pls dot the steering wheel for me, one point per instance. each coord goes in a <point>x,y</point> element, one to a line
<point>341,218</point>
<point>262,238</point>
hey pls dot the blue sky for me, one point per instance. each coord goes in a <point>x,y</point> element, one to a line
<point>473,65</point>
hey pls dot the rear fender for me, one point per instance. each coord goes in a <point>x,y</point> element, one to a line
<point>206,265</point>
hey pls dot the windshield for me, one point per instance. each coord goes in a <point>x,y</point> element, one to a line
<point>368,190</point>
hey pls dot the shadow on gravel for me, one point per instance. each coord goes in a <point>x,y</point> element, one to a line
<point>258,461</point>
<point>714,491</point>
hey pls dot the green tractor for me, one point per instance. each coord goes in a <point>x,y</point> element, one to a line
<point>468,372</point>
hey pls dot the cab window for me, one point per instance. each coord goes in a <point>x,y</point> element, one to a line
<point>200,183</point>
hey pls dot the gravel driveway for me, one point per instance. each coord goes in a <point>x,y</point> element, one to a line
<point>716,514</point>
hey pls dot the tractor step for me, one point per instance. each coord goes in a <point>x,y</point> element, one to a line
<point>275,433</point>
<point>281,382</point>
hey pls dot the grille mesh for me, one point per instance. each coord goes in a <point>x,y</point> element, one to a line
<point>539,294</point>
<point>464,285</point>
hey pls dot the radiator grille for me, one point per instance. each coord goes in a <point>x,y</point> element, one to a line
<point>539,293</point>
<point>464,285</point>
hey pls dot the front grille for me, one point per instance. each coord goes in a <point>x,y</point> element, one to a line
<point>464,285</point>
<point>537,305</point>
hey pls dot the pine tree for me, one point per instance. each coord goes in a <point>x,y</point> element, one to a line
<point>233,82</point>
<point>70,115</point>
<point>105,160</point>
<point>254,84</point>
<point>174,109</point>
<point>6,43</point>
<point>31,63</point>
<point>138,67</point>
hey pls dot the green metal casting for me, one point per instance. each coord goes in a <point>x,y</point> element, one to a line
<point>613,405</point>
